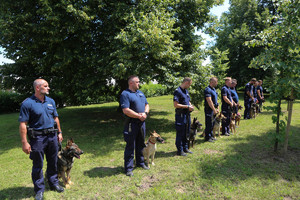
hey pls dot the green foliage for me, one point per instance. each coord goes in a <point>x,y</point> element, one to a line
<point>81,47</point>
<point>244,20</point>
<point>153,90</point>
<point>10,101</point>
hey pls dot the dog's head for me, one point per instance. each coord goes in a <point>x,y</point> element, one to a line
<point>156,136</point>
<point>72,149</point>
<point>220,116</point>
<point>233,116</point>
<point>240,107</point>
<point>196,124</point>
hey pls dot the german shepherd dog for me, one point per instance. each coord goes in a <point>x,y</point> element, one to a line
<point>232,122</point>
<point>217,124</point>
<point>149,150</point>
<point>253,110</point>
<point>65,161</point>
<point>193,131</point>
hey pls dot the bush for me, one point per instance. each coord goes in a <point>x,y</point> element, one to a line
<point>153,90</point>
<point>10,101</point>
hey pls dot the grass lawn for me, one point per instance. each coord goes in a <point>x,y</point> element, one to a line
<point>242,166</point>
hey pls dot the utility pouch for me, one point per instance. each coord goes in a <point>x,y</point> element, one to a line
<point>30,133</point>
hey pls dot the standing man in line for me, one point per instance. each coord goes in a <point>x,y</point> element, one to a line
<point>210,108</point>
<point>227,104</point>
<point>260,94</point>
<point>38,112</point>
<point>136,108</point>
<point>183,108</point>
<point>248,98</point>
<point>234,95</point>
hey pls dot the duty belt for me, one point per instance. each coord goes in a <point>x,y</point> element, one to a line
<point>180,111</point>
<point>32,133</point>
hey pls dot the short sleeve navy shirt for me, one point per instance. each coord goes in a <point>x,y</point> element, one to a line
<point>210,92</point>
<point>234,95</point>
<point>182,96</point>
<point>136,101</point>
<point>225,92</point>
<point>248,88</point>
<point>39,115</point>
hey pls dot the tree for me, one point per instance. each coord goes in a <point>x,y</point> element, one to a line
<point>281,44</point>
<point>81,47</point>
<point>244,20</point>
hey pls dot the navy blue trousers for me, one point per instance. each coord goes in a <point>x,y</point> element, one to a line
<point>181,126</point>
<point>247,105</point>
<point>41,145</point>
<point>209,124</point>
<point>135,142</point>
<point>226,122</point>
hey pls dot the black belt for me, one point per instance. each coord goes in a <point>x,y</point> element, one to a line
<point>46,131</point>
<point>179,111</point>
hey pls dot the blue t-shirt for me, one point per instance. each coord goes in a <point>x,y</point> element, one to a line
<point>182,96</point>
<point>136,101</point>
<point>225,92</point>
<point>255,92</point>
<point>234,95</point>
<point>248,88</point>
<point>210,92</point>
<point>261,91</point>
<point>39,115</point>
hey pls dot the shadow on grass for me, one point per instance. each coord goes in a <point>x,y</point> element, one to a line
<point>17,193</point>
<point>104,171</point>
<point>253,156</point>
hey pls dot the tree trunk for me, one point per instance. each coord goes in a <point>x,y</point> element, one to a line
<point>277,125</point>
<point>290,111</point>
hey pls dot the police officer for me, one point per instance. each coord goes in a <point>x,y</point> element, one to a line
<point>260,94</point>
<point>183,107</point>
<point>227,104</point>
<point>210,108</point>
<point>248,98</point>
<point>136,108</point>
<point>38,112</point>
<point>234,95</point>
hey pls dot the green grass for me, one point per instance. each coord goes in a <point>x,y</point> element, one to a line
<point>242,166</point>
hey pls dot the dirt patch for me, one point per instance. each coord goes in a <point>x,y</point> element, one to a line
<point>148,182</point>
<point>210,151</point>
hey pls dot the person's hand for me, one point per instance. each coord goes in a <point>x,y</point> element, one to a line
<point>60,137</point>
<point>191,108</point>
<point>142,116</point>
<point>26,147</point>
<point>216,111</point>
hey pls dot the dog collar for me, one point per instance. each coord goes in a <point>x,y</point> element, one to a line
<point>151,142</point>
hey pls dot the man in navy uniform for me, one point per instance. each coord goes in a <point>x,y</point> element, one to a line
<point>260,94</point>
<point>183,108</point>
<point>248,98</point>
<point>227,104</point>
<point>210,108</point>
<point>38,112</point>
<point>234,95</point>
<point>136,108</point>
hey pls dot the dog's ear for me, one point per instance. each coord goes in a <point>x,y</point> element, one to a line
<point>70,142</point>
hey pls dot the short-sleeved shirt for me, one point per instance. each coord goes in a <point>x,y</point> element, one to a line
<point>261,91</point>
<point>225,92</point>
<point>248,88</point>
<point>182,96</point>
<point>234,95</point>
<point>210,92</point>
<point>39,115</point>
<point>255,92</point>
<point>136,101</point>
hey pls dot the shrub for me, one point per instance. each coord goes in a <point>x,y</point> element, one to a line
<point>153,90</point>
<point>10,101</point>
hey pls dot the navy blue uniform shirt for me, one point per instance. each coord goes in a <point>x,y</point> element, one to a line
<point>39,115</point>
<point>248,88</point>
<point>136,101</point>
<point>226,92</point>
<point>182,96</point>
<point>210,92</point>
<point>261,91</point>
<point>234,95</point>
